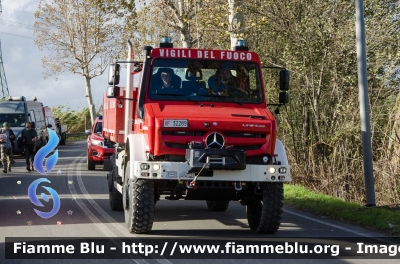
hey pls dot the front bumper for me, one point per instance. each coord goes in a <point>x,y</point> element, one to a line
<point>216,159</point>
<point>180,171</point>
<point>98,154</point>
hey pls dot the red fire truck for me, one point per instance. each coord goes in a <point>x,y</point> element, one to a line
<point>195,127</point>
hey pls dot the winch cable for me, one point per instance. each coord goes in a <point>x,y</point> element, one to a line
<point>193,183</point>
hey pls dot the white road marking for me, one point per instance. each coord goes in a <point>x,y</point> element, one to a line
<point>364,234</point>
<point>122,230</point>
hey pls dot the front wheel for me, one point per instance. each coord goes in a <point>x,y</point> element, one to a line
<point>138,199</point>
<point>265,216</point>
<point>90,164</point>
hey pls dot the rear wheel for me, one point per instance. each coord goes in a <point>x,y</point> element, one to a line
<point>138,199</point>
<point>216,205</point>
<point>115,196</point>
<point>90,164</point>
<point>265,216</point>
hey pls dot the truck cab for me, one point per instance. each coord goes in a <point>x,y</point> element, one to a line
<point>97,149</point>
<point>197,127</point>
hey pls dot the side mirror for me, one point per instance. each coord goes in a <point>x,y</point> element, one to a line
<point>112,91</point>
<point>283,97</point>
<point>88,132</point>
<point>113,74</point>
<point>284,77</point>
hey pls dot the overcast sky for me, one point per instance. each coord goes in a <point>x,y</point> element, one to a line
<point>23,66</point>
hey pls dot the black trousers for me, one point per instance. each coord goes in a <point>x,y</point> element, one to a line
<point>29,155</point>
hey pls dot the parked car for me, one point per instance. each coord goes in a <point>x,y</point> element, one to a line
<point>97,150</point>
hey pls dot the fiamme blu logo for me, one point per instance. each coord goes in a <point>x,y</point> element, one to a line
<point>38,166</point>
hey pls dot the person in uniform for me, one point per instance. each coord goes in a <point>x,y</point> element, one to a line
<point>6,147</point>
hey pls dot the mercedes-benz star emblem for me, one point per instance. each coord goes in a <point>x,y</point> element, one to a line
<point>215,140</point>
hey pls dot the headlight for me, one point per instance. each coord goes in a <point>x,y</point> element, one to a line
<point>144,166</point>
<point>282,170</point>
<point>272,170</point>
<point>156,167</point>
<point>97,142</point>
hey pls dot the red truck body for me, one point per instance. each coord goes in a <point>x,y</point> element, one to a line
<point>230,117</point>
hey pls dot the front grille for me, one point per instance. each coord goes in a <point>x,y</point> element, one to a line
<point>183,133</point>
<point>248,147</point>
<point>177,145</point>
<point>245,134</point>
<point>202,133</point>
<point>185,146</point>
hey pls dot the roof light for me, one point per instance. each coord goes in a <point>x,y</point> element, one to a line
<point>241,45</point>
<point>165,43</point>
<point>16,98</point>
<point>165,40</point>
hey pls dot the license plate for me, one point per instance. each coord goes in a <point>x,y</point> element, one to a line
<point>175,123</point>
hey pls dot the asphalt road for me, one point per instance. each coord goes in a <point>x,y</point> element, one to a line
<point>85,212</point>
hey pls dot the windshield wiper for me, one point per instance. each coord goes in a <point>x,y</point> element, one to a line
<point>212,95</point>
<point>233,101</point>
<point>227,99</point>
<point>177,96</point>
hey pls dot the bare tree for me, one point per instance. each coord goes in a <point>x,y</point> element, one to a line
<point>81,38</point>
<point>236,21</point>
<point>197,21</point>
<point>178,16</point>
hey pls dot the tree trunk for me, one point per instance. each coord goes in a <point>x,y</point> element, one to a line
<point>236,20</point>
<point>89,97</point>
<point>185,37</point>
<point>184,25</point>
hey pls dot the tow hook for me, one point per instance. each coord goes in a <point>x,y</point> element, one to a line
<point>191,185</point>
<point>238,186</point>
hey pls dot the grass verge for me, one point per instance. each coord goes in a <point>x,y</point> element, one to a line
<point>385,219</point>
<point>76,138</point>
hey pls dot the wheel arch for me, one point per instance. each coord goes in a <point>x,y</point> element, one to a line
<point>135,151</point>
<point>281,153</point>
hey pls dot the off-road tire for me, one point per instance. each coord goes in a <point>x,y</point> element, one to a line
<point>90,164</point>
<point>217,206</point>
<point>265,217</point>
<point>139,204</point>
<point>115,197</point>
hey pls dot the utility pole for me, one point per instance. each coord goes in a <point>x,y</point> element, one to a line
<point>3,81</point>
<point>364,104</point>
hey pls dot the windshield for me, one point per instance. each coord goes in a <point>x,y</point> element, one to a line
<point>14,120</point>
<point>205,80</point>
<point>99,127</point>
